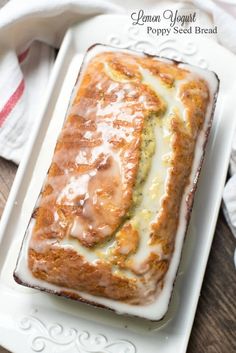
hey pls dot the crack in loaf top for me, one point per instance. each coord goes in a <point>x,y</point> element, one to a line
<point>97,154</point>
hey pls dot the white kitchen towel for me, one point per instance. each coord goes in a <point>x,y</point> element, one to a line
<point>29,33</point>
<point>229,195</point>
<point>224,17</point>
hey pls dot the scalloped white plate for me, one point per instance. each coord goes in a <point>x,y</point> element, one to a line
<point>31,321</point>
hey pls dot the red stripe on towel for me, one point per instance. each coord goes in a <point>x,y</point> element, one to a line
<point>10,104</point>
<point>22,56</point>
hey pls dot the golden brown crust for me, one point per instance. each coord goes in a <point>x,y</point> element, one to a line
<point>71,271</point>
<point>89,188</point>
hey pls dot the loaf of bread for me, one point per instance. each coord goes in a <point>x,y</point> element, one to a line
<point>110,221</point>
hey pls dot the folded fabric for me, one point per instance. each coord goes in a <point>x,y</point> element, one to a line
<point>224,17</point>
<point>229,195</point>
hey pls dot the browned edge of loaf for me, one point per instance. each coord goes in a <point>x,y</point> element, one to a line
<point>190,196</point>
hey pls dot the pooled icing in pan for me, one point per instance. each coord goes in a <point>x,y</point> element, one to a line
<point>111,218</point>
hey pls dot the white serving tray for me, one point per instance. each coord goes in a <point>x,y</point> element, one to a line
<point>31,321</point>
